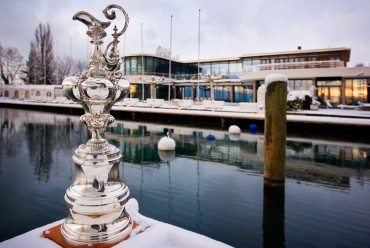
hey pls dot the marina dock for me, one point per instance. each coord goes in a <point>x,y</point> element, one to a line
<point>345,123</point>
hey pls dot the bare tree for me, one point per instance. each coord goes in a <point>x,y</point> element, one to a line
<point>1,65</point>
<point>65,67</point>
<point>41,64</point>
<point>80,67</point>
<point>165,53</point>
<point>11,63</point>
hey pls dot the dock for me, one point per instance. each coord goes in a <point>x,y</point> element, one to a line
<point>347,124</point>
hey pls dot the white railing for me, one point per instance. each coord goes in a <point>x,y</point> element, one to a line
<point>295,65</point>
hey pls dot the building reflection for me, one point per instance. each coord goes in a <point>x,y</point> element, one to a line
<point>46,133</point>
<point>305,157</point>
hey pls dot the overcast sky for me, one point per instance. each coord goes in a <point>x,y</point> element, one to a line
<point>229,28</point>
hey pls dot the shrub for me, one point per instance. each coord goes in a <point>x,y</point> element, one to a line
<point>295,104</point>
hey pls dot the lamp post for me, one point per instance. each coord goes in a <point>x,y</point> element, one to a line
<point>170,66</point>
<point>97,197</point>
<point>198,78</point>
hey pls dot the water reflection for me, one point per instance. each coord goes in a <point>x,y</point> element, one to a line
<point>307,160</point>
<point>138,143</point>
<point>211,186</point>
<point>44,134</point>
<point>273,218</point>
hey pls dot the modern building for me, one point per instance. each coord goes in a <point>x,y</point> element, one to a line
<point>326,69</point>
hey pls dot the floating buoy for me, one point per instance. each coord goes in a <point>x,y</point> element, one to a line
<point>211,137</point>
<point>166,143</point>
<point>234,129</point>
<point>253,128</point>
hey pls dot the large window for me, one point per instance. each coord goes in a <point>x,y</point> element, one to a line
<point>329,90</point>
<point>235,68</point>
<point>243,93</point>
<point>224,68</point>
<point>300,84</point>
<point>355,91</point>
<point>223,93</point>
<point>251,64</point>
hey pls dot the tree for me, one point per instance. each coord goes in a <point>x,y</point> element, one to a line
<point>65,67</point>
<point>11,62</point>
<point>80,67</point>
<point>41,64</point>
<point>165,53</point>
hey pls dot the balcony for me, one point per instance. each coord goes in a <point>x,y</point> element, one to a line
<point>295,65</point>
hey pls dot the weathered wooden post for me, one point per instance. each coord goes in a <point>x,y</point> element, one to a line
<point>275,130</point>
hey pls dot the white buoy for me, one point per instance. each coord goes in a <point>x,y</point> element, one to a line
<point>166,143</point>
<point>234,129</point>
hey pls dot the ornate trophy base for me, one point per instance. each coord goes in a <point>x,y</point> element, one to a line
<point>97,197</point>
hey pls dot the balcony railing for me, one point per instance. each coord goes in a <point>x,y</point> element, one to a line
<point>295,65</point>
<point>186,76</point>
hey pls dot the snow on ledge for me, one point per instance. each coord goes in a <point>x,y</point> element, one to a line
<point>275,78</point>
<point>148,234</point>
<point>160,234</point>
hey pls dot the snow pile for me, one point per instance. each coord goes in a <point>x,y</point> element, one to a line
<point>152,233</point>
<point>298,94</point>
<point>275,78</point>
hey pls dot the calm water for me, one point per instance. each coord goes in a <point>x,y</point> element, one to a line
<point>212,187</point>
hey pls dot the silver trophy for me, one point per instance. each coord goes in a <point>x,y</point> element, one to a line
<point>97,197</point>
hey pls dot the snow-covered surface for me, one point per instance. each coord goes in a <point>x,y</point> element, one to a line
<point>300,94</point>
<point>275,77</point>
<point>321,116</point>
<point>149,233</point>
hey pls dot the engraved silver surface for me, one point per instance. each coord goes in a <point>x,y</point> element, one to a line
<point>97,197</point>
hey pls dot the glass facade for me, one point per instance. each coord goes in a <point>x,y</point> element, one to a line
<point>232,68</point>
<point>157,66</point>
<point>354,90</point>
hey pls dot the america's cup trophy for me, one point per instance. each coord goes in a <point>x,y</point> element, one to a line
<point>97,197</point>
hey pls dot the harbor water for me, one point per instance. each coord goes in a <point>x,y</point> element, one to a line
<point>213,185</point>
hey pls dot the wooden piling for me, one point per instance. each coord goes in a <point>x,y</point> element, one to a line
<point>275,130</point>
